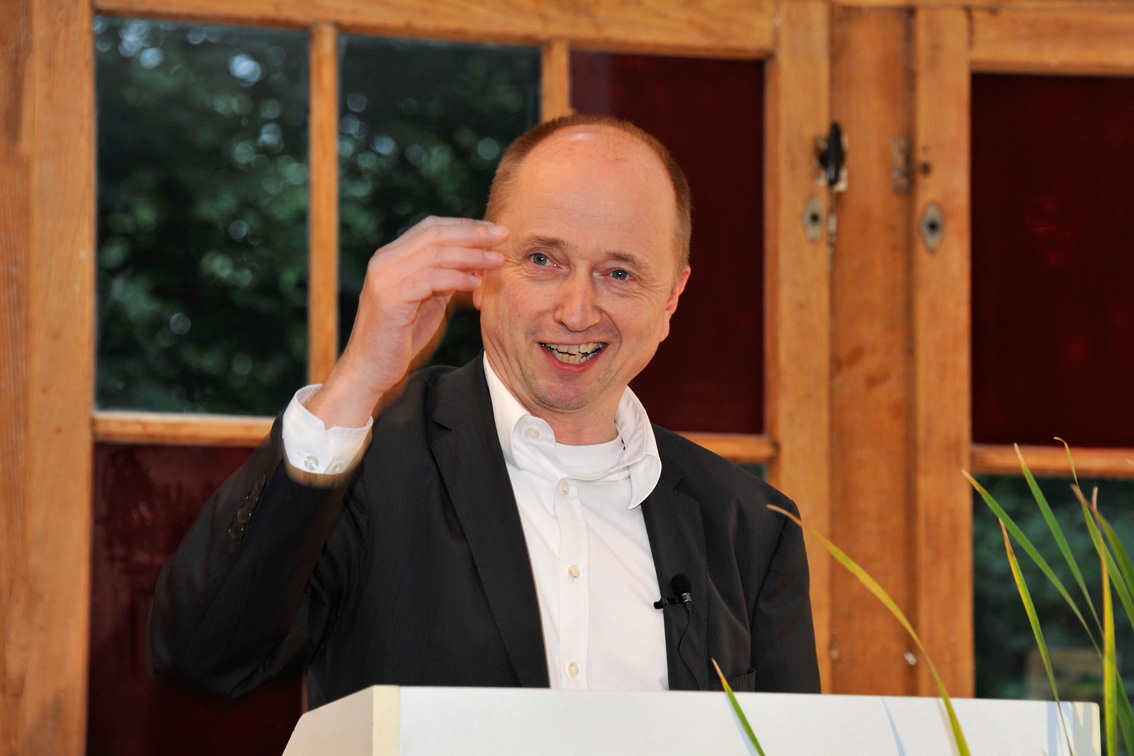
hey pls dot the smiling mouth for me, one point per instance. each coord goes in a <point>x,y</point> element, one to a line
<point>574,354</point>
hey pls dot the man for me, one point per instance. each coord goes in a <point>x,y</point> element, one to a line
<point>513,521</point>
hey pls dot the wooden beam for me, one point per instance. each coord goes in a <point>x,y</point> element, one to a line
<point>179,430</point>
<point>1052,461</point>
<point>555,93</point>
<point>797,346</point>
<point>942,345</point>
<point>323,249</point>
<point>47,244</point>
<point>744,449</point>
<point>995,5</point>
<point>871,449</point>
<point>1027,41</point>
<point>714,28</point>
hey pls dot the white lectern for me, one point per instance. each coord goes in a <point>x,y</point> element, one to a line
<point>392,721</point>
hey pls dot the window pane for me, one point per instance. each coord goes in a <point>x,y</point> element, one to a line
<point>709,374</point>
<point>1053,310</point>
<point>422,126</point>
<point>145,498</point>
<point>1007,663</point>
<point>202,211</point>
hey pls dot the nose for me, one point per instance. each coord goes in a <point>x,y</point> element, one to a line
<point>577,307</point>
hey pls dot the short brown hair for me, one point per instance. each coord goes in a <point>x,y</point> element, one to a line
<point>515,154</point>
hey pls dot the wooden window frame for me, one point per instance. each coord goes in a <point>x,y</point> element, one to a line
<point>1054,42</point>
<point>50,158</point>
<point>953,44</point>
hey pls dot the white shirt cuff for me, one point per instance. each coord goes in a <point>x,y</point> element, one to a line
<point>310,447</point>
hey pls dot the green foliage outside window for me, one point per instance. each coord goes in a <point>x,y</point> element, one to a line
<point>1005,644</point>
<point>422,127</point>
<point>202,208</point>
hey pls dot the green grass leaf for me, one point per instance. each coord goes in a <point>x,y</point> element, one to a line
<point>1033,618</point>
<point>1125,717</point>
<point>1090,513</point>
<point>1032,552</point>
<point>1053,526</point>
<point>1110,667</point>
<point>738,710</point>
<point>880,593</point>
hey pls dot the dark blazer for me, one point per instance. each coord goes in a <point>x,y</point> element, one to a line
<point>417,572</point>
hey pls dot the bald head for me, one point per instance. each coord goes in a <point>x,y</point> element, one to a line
<point>505,181</point>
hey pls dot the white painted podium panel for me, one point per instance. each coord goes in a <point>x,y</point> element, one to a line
<point>392,721</point>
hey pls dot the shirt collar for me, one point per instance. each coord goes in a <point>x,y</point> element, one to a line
<point>534,450</point>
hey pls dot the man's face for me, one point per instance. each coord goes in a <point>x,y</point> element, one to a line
<point>589,280</point>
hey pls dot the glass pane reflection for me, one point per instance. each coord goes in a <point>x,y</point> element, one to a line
<point>202,208</point>
<point>422,126</point>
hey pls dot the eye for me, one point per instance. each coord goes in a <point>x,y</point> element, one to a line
<point>618,274</point>
<point>539,258</point>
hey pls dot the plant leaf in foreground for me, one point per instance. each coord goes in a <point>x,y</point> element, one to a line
<point>1032,552</point>
<point>1033,618</point>
<point>872,585</point>
<point>1053,526</point>
<point>737,709</point>
<point>1090,513</point>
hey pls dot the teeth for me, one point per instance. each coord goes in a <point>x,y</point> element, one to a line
<point>574,354</point>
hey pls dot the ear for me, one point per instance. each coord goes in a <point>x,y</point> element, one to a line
<point>671,303</point>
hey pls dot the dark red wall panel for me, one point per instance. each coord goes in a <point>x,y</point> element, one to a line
<point>1053,261</point>
<point>709,374</point>
<point>145,497</point>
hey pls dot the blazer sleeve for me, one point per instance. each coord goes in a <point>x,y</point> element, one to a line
<point>257,580</point>
<point>783,634</point>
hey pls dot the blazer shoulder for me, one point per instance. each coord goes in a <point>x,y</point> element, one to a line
<point>708,477</point>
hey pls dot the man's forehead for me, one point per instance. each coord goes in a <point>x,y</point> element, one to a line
<point>607,142</point>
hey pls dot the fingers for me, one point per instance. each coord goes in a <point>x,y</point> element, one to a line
<point>464,232</point>
<point>430,282</point>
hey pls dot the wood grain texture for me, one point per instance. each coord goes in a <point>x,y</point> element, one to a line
<point>1061,5</point>
<point>942,338</point>
<point>798,290</point>
<point>323,249</point>
<point>871,515</point>
<point>46,379</point>
<point>15,134</point>
<point>179,430</point>
<point>555,70</point>
<point>741,448</point>
<point>715,28</point>
<point>1029,41</point>
<point>1052,461</point>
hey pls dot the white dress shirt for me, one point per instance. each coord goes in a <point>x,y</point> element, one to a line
<point>580,510</point>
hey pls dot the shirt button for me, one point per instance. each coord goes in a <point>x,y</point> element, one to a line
<point>573,571</point>
<point>532,432</point>
<point>311,463</point>
<point>337,468</point>
<point>564,487</point>
<point>573,669</point>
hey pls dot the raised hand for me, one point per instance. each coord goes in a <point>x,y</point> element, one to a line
<point>409,283</point>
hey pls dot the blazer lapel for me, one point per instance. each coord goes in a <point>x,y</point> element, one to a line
<point>476,477</point>
<point>677,539</point>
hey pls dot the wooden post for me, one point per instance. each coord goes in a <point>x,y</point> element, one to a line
<point>47,275</point>
<point>555,72</point>
<point>323,249</point>
<point>942,311</point>
<point>799,285</point>
<point>871,455</point>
